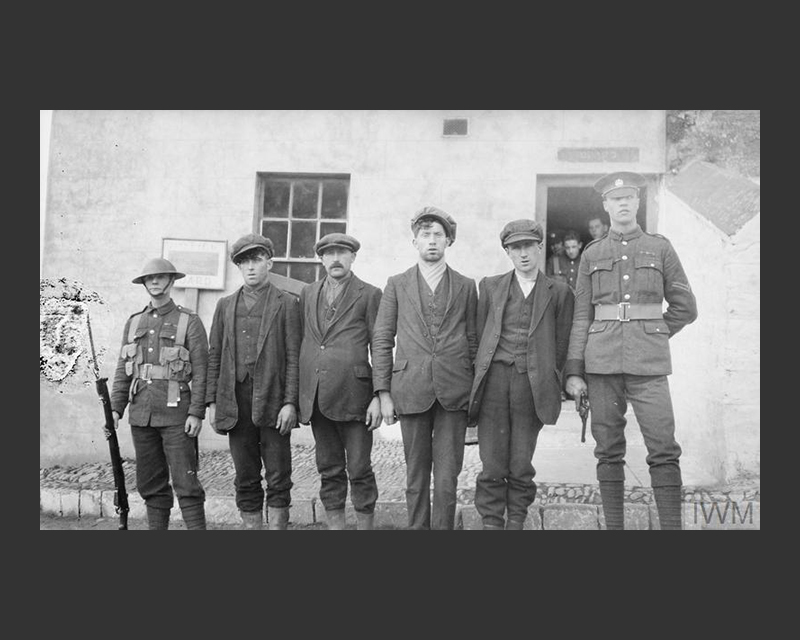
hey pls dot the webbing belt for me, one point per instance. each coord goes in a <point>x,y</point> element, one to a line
<point>626,311</point>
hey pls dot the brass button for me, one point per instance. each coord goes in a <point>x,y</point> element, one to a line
<point>624,257</point>
<point>627,296</point>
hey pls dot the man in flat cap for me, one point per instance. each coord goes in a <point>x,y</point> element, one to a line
<point>619,347</point>
<point>164,349</point>
<point>338,317</point>
<point>430,308</point>
<point>524,320</point>
<point>252,390</point>
<point>564,266</point>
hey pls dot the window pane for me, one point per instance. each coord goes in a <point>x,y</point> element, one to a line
<point>304,235</point>
<point>276,199</point>
<point>334,199</point>
<point>332,227</point>
<point>280,268</point>
<point>305,199</point>
<point>304,272</point>
<point>276,231</point>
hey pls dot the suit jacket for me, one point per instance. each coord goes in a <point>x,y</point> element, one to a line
<point>548,340</point>
<point>334,362</point>
<point>425,368</point>
<point>276,368</point>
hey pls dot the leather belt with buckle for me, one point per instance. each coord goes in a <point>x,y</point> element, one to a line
<point>626,311</point>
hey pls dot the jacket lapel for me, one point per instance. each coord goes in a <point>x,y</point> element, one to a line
<point>230,320</point>
<point>271,306</point>
<point>456,285</point>
<point>409,280</point>
<point>349,297</point>
<point>312,316</point>
<point>501,299</point>
<point>541,298</point>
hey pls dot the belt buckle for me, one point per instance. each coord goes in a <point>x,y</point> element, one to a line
<point>144,371</point>
<point>623,314</point>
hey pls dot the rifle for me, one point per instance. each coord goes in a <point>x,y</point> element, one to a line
<point>583,412</point>
<point>120,495</point>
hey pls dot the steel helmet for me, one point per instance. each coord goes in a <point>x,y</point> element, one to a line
<point>157,265</point>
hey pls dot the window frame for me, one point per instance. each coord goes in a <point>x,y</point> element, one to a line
<point>264,177</point>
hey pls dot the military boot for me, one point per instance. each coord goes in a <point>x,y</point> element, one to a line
<point>157,518</point>
<point>278,518</point>
<point>335,519</point>
<point>252,520</point>
<point>515,525</point>
<point>365,521</point>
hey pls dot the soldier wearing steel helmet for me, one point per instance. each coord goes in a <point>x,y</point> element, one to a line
<point>164,349</point>
<point>619,347</point>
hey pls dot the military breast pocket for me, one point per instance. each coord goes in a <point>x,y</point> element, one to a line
<point>399,366</point>
<point>602,274</point>
<point>649,274</point>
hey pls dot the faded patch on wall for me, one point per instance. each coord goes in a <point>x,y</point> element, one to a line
<point>65,352</point>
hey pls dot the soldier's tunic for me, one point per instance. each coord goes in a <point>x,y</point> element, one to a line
<point>564,269</point>
<point>629,276</point>
<point>162,446</point>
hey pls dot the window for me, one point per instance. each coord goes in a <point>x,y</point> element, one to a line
<point>296,210</point>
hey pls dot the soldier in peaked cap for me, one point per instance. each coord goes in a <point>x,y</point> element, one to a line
<point>338,316</point>
<point>252,386</point>
<point>161,373</point>
<point>619,349</point>
<point>430,308</point>
<point>524,320</point>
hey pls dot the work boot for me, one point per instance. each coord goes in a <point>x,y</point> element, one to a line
<point>252,520</point>
<point>278,518</point>
<point>492,527</point>
<point>515,525</point>
<point>668,503</point>
<point>194,516</point>
<point>613,493</point>
<point>157,518</point>
<point>365,521</point>
<point>335,519</point>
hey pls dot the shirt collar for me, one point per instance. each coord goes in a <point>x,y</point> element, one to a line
<point>331,282</point>
<point>519,276</point>
<point>162,310</point>
<point>255,290</point>
<point>614,235</point>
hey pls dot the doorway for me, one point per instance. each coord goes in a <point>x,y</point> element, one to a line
<point>565,203</point>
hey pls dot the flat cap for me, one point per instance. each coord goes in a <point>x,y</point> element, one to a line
<point>341,240</point>
<point>519,230</point>
<point>157,265</point>
<point>619,180</point>
<point>250,241</point>
<point>443,217</point>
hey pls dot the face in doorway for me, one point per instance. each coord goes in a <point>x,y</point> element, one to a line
<point>337,262</point>
<point>597,228</point>
<point>159,285</point>
<point>431,240</point>
<point>572,248</point>
<point>622,206</point>
<point>525,256</point>
<point>254,266</point>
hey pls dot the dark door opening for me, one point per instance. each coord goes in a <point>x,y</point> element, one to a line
<point>571,208</point>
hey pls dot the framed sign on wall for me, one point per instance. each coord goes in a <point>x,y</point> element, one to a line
<point>203,261</point>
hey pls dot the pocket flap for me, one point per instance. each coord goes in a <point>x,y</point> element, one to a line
<point>362,371</point>
<point>128,350</point>
<point>647,261</point>
<point>601,265</point>
<point>598,325</point>
<point>399,365</point>
<point>655,326</point>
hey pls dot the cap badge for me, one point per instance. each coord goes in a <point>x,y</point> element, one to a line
<point>618,182</point>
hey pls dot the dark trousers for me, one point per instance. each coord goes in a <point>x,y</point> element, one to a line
<point>162,452</point>
<point>507,433</point>
<point>649,395</point>
<point>344,449</point>
<point>250,445</point>
<point>433,439</point>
